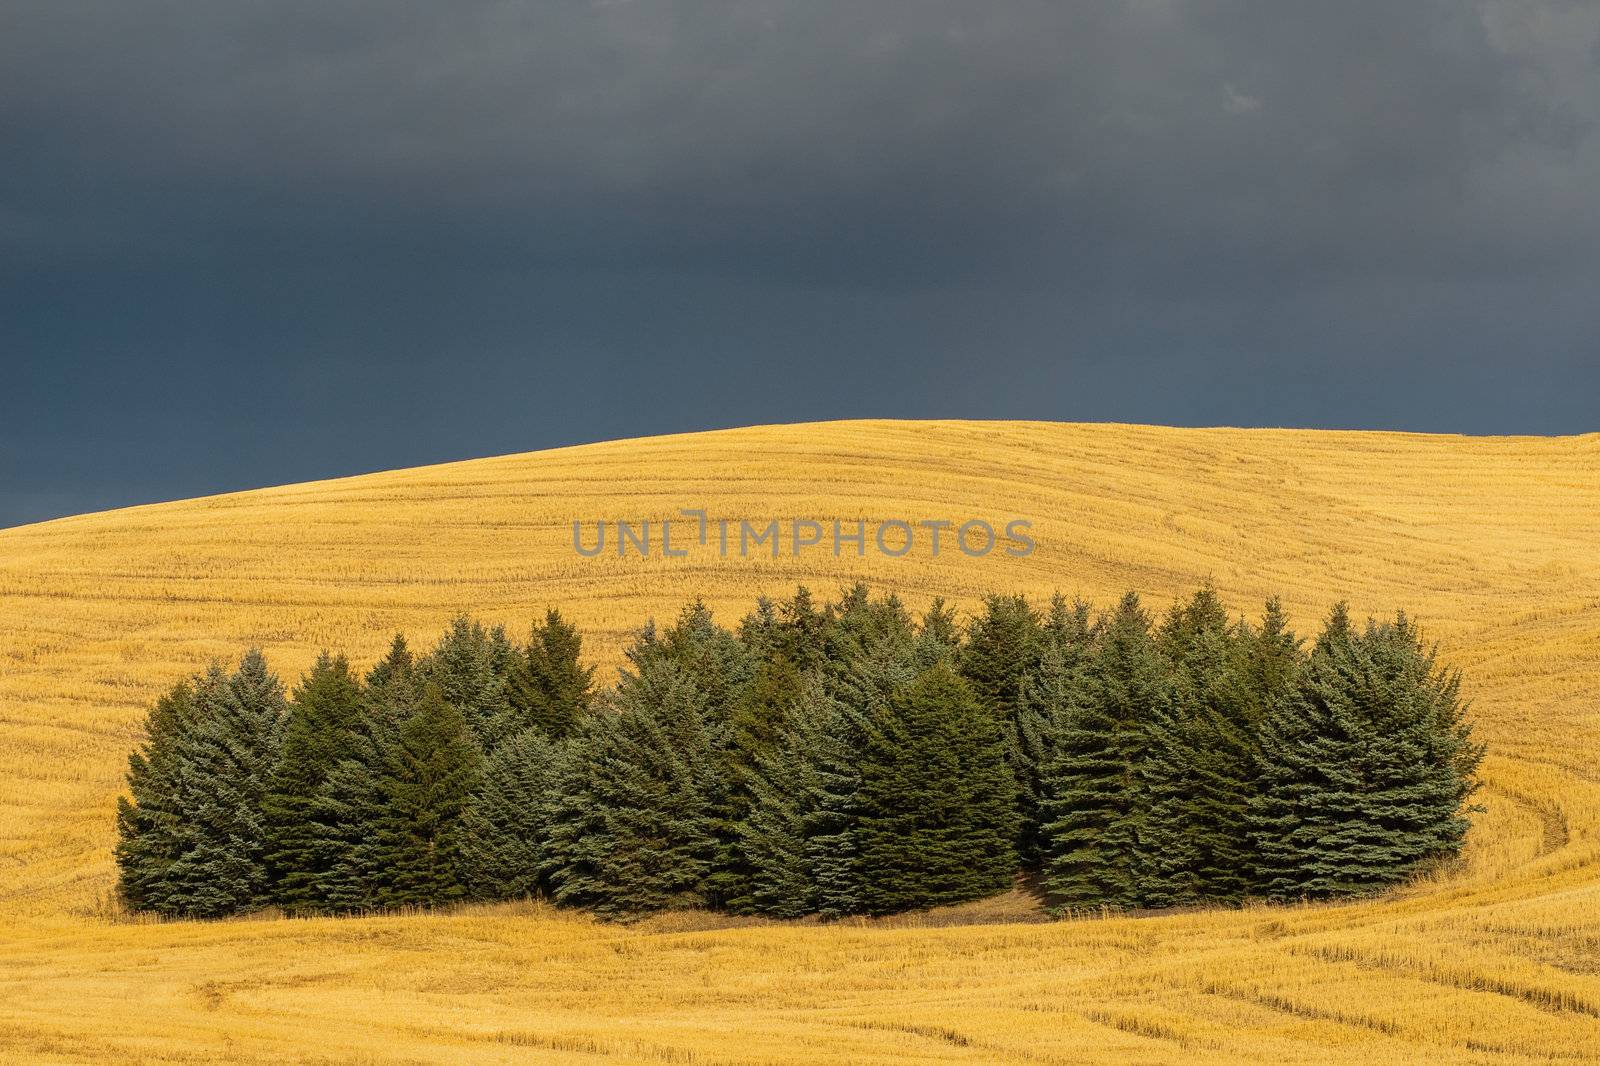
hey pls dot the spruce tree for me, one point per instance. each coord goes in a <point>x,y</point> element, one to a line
<point>1092,803</point>
<point>788,797</point>
<point>722,671</point>
<point>761,709</point>
<point>227,745</point>
<point>324,719</point>
<point>151,828</point>
<point>1366,773</point>
<point>637,821</point>
<point>1002,647</point>
<point>472,666</point>
<point>506,822</point>
<point>1272,661</point>
<point>938,635</point>
<point>1050,697</point>
<point>1197,773</point>
<point>429,775</point>
<point>937,819</point>
<point>351,812</point>
<point>804,629</point>
<point>548,686</point>
<point>1047,697</point>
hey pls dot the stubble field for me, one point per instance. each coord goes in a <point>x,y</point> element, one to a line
<point>1492,543</point>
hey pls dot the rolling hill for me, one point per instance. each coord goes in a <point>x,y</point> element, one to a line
<point>1493,544</point>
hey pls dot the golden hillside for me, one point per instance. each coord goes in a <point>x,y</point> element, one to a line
<point>1493,543</point>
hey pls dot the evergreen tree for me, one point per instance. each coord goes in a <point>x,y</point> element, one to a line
<point>712,656</point>
<point>351,813</point>
<point>1049,694</point>
<point>1092,803</point>
<point>860,628</point>
<point>805,631</point>
<point>1367,771</point>
<point>1050,697</point>
<point>427,779</point>
<point>472,666</point>
<point>151,827</point>
<point>227,740</point>
<point>837,761</point>
<point>1198,770</point>
<point>506,823</point>
<point>1273,659</point>
<point>759,715</point>
<point>1068,626</point>
<point>937,820</point>
<point>636,822</point>
<point>324,719</point>
<point>788,797</point>
<point>938,636</point>
<point>548,687</point>
<point>1002,647</point>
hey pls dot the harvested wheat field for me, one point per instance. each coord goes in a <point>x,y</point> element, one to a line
<point>1492,543</point>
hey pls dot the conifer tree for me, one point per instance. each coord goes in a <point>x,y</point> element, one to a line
<point>779,835</point>
<point>804,628</point>
<point>636,823</point>
<point>1272,661</point>
<point>1366,773</point>
<point>761,709</point>
<point>938,635</point>
<point>1002,647</point>
<point>351,812</point>
<point>472,667</point>
<point>937,819</point>
<point>548,686</point>
<point>1051,695</point>
<point>428,777</point>
<point>859,628</point>
<point>1092,804</point>
<point>1068,626</point>
<point>324,719</point>
<point>151,827</point>
<point>506,822</point>
<point>227,742</point>
<point>1197,773</point>
<point>718,662</point>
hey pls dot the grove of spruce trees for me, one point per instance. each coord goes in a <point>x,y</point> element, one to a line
<point>817,759</point>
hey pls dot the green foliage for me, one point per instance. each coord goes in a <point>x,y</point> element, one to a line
<point>1002,647</point>
<point>548,687</point>
<point>1050,697</point>
<point>196,834</point>
<point>472,667</point>
<point>1049,692</point>
<point>507,821</point>
<point>429,771</point>
<point>1196,776</point>
<point>1092,805</point>
<point>151,826</point>
<point>635,825</point>
<point>324,719</point>
<point>936,820</point>
<point>830,760</point>
<point>351,808</point>
<point>789,834</point>
<point>1366,769</point>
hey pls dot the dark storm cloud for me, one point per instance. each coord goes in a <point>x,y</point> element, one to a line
<point>493,226</point>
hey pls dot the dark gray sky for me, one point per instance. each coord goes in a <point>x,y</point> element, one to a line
<point>247,243</point>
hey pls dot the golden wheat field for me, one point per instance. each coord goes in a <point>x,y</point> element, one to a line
<point>1493,543</point>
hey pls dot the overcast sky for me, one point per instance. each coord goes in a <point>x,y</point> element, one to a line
<point>248,243</point>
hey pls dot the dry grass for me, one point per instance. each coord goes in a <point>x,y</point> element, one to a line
<point>1493,543</point>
